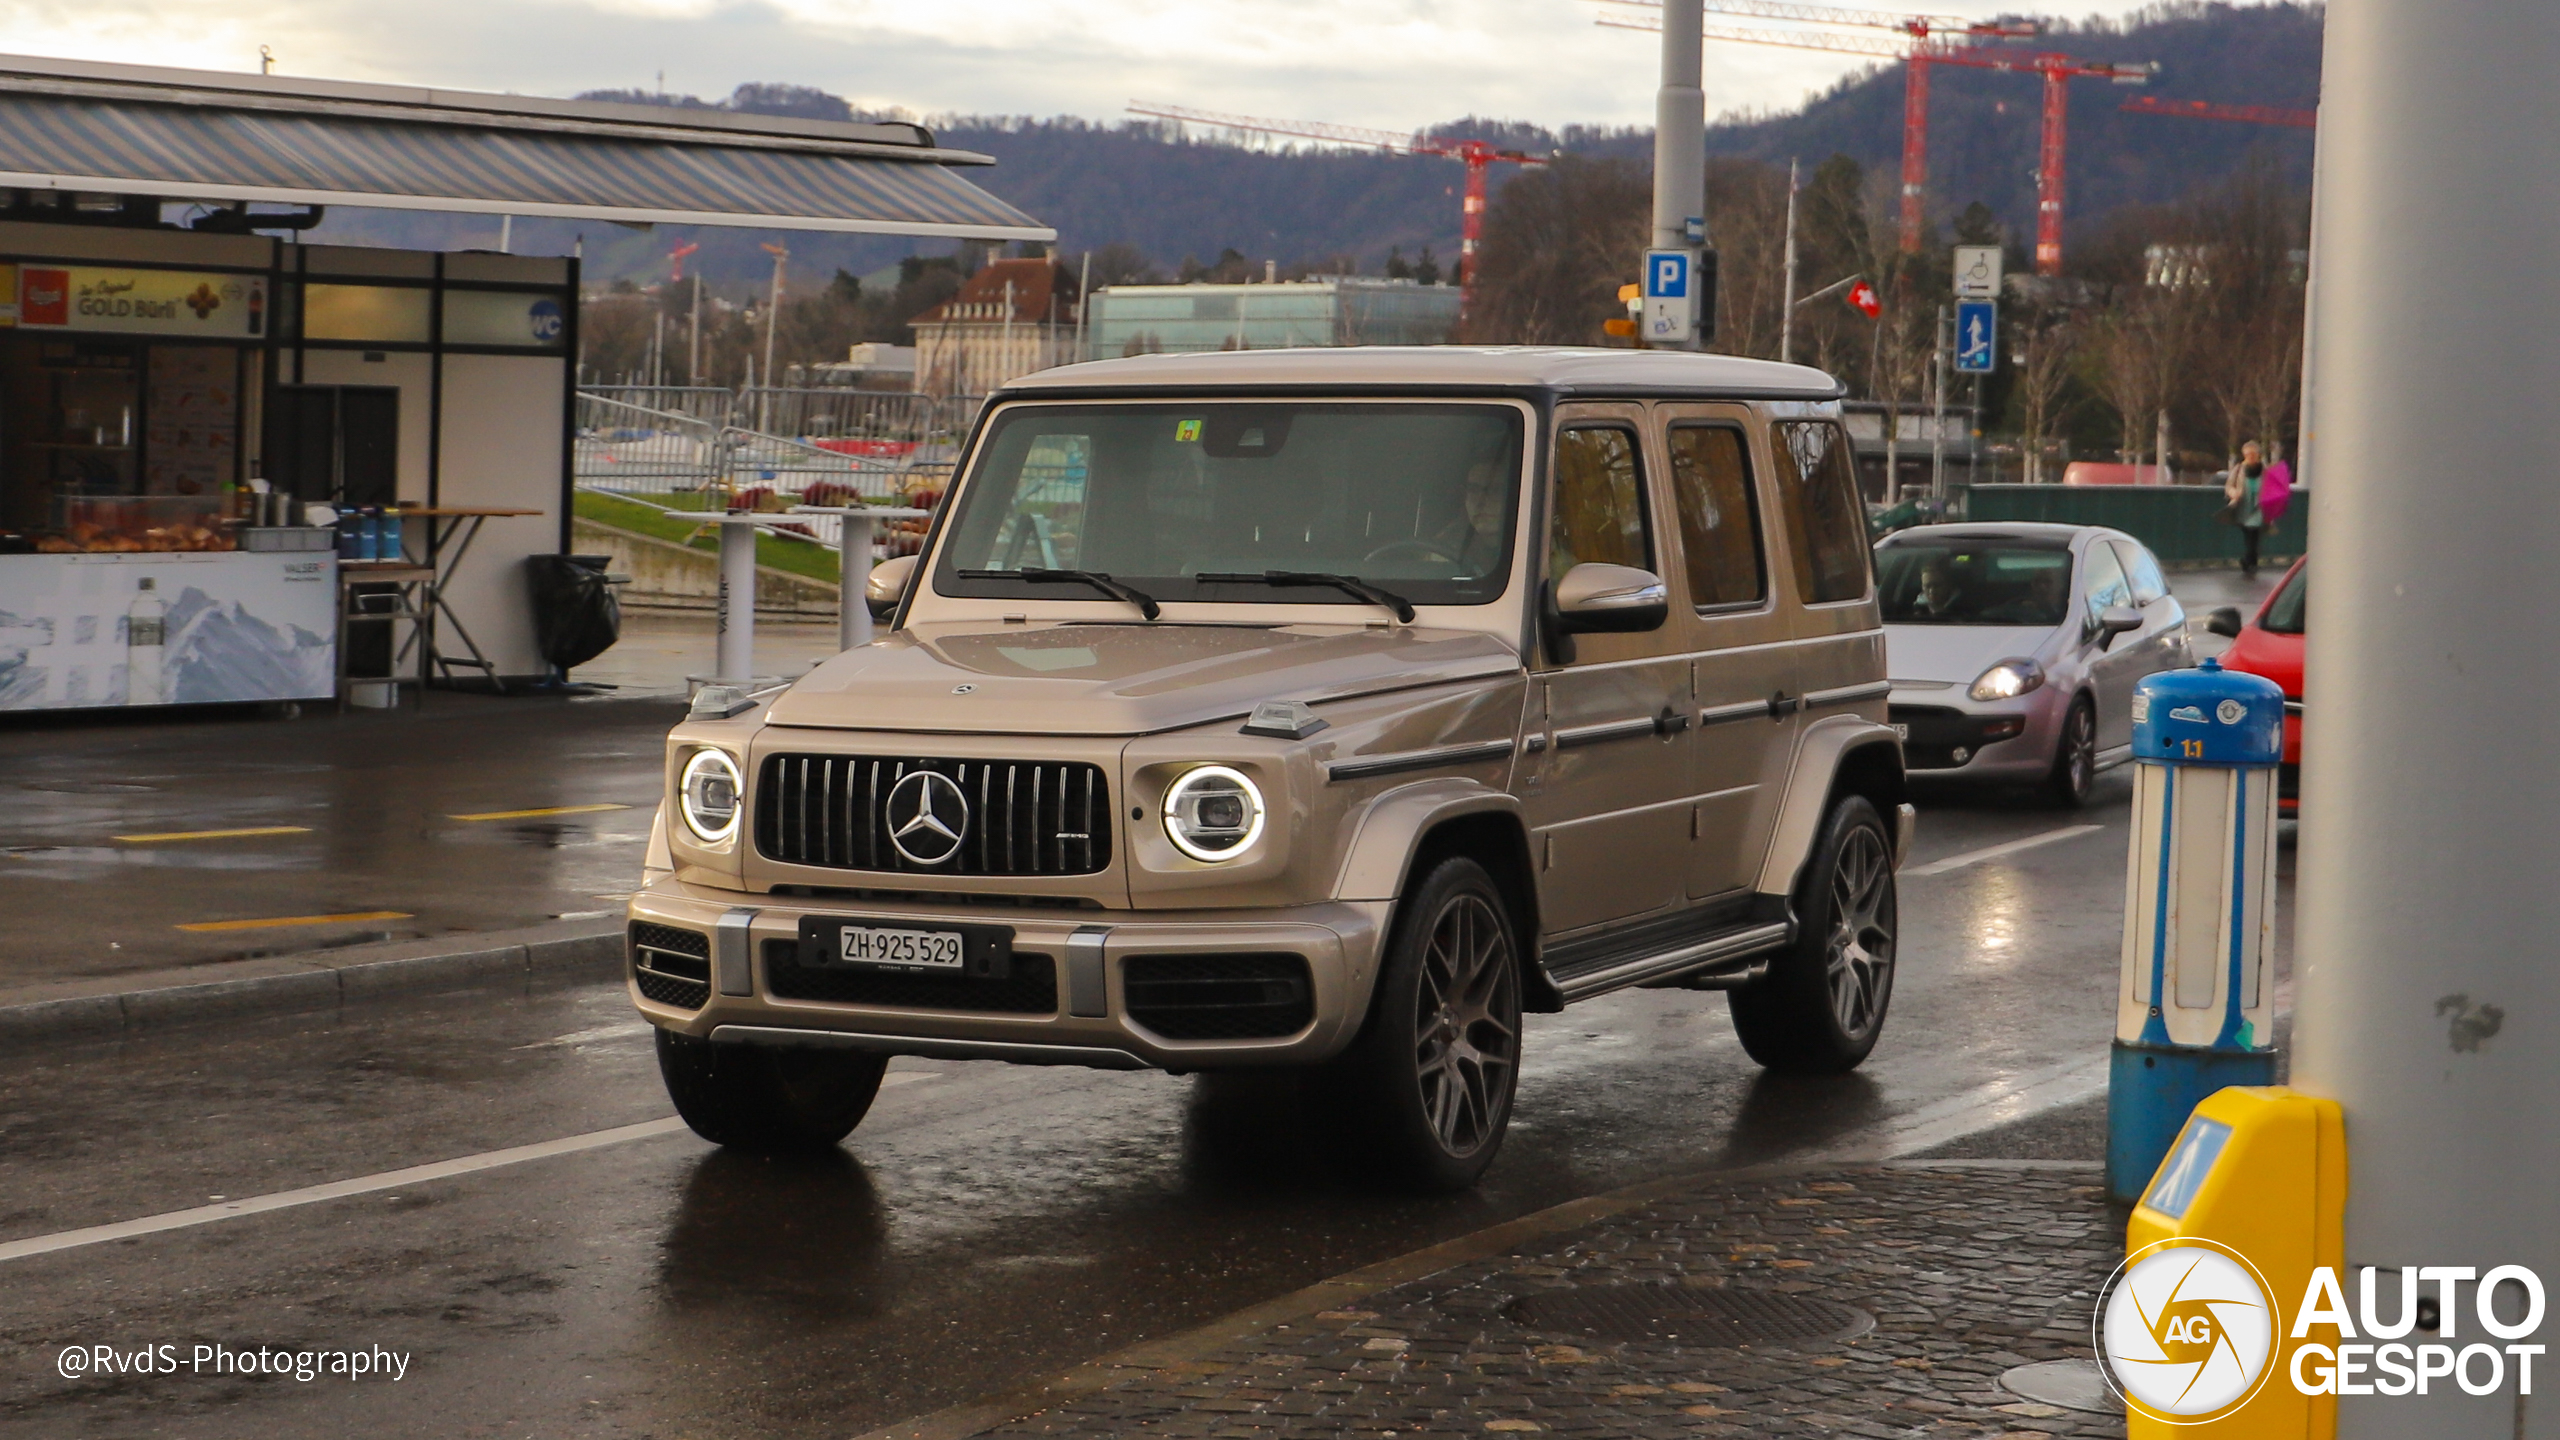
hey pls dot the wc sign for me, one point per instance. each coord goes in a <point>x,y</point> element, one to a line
<point>1670,297</point>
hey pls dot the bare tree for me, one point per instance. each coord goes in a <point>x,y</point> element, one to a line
<point>1747,216</point>
<point>2144,344</point>
<point>1558,242</point>
<point>2048,346</point>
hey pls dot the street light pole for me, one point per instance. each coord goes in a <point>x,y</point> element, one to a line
<point>2426,995</point>
<point>1787,296</point>
<point>1680,140</point>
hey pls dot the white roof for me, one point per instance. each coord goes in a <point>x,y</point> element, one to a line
<point>1507,367</point>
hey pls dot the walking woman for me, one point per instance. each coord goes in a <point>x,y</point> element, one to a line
<point>2243,489</point>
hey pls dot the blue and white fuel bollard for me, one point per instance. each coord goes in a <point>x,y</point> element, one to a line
<point>2196,999</point>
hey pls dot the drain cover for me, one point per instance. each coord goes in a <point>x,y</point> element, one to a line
<point>1689,1315</point>
<point>2071,1384</point>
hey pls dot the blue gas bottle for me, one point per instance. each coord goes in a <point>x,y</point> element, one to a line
<point>369,534</point>
<point>2197,994</point>
<point>391,547</point>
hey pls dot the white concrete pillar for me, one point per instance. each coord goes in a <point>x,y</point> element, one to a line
<point>2428,996</point>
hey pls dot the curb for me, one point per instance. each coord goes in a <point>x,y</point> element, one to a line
<point>960,1422</point>
<point>113,1007</point>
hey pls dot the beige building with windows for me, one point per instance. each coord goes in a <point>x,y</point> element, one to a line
<point>1009,319</point>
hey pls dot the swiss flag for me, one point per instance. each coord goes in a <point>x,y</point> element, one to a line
<point>1863,298</point>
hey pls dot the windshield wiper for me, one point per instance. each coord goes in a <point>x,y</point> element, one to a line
<point>1348,584</point>
<point>1145,602</point>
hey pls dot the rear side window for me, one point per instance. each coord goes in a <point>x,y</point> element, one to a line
<point>1599,517</point>
<point>1826,523</point>
<point>2148,583</point>
<point>1719,523</point>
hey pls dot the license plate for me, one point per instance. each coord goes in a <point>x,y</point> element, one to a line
<point>980,952</point>
<point>920,949</point>
<point>1902,730</point>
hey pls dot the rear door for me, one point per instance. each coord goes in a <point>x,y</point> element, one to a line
<point>1608,800</point>
<point>1839,639</point>
<point>1725,604</point>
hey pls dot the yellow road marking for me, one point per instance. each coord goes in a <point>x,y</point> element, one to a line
<point>203,926</point>
<point>214,834</point>
<point>530,814</point>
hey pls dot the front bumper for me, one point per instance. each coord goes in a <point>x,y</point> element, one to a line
<point>1954,737</point>
<point>1069,1000</point>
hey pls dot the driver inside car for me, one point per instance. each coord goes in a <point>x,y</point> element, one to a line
<point>1474,539</point>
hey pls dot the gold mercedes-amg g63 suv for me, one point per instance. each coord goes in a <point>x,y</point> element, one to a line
<point>1322,709</point>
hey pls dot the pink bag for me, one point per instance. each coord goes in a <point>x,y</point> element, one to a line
<point>2275,492</point>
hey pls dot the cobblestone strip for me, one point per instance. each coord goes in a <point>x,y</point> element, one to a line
<point>1967,1272</point>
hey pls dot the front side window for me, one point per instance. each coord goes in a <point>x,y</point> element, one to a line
<point>2148,583</point>
<point>1599,509</point>
<point>1973,582</point>
<point>2103,581</point>
<point>1719,520</point>
<point>1826,521</point>
<point>1416,500</point>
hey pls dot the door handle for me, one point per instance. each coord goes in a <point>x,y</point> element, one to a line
<point>1670,721</point>
<point>1782,705</point>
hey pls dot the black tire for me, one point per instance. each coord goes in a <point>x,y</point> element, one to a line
<point>1823,1002</point>
<point>2075,757</point>
<point>772,1102</point>
<point>1429,1082</point>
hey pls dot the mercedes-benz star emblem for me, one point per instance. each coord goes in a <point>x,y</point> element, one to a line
<point>927,814</point>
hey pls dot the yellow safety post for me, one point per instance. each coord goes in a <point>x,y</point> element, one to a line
<point>2259,1173</point>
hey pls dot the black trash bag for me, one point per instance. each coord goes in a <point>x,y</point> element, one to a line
<point>575,615</point>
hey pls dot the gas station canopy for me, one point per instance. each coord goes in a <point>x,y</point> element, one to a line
<point>227,138</point>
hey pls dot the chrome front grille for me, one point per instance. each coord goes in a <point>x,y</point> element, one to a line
<point>1022,817</point>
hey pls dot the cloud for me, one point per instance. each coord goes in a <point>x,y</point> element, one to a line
<point>1392,64</point>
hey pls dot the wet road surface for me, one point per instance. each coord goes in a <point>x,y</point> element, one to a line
<point>987,1224</point>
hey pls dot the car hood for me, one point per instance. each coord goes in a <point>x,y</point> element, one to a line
<point>1118,679</point>
<point>1956,654</point>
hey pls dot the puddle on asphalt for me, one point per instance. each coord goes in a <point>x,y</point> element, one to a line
<point>90,787</point>
<point>105,857</point>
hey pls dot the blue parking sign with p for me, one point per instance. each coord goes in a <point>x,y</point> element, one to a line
<point>1666,275</point>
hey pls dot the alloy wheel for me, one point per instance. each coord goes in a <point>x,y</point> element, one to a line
<point>2080,743</point>
<point>1466,1025</point>
<point>1859,956</point>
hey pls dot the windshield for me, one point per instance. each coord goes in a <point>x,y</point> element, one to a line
<point>2284,611</point>
<point>1973,582</point>
<point>1414,500</point>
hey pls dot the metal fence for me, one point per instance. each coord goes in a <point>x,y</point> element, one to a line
<point>810,413</point>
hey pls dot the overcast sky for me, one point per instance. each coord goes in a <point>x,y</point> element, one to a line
<point>1393,64</point>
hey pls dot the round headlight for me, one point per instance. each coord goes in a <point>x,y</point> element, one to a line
<point>2007,680</point>
<point>708,796</point>
<point>1213,813</point>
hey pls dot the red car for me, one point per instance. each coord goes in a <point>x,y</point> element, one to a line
<point>2270,644</point>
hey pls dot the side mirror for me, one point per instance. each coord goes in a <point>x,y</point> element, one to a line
<point>2116,620</point>
<point>1610,600</point>
<point>888,584</point>
<point>2225,620</point>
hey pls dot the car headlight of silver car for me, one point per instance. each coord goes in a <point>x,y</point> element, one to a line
<point>2007,680</point>
<point>708,796</point>
<point>1213,813</point>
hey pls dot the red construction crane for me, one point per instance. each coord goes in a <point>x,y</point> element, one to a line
<point>675,258</point>
<point>1915,76</point>
<point>2207,110</point>
<point>2057,70</point>
<point>1476,155</point>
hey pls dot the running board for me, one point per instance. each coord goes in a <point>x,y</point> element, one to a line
<point>1668,964</point>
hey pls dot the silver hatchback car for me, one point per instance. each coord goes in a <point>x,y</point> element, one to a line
<point>2014,649</point>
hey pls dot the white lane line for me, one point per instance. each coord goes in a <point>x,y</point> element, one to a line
<point>336,1189</point>
<point>1979,1109</point>
<point>1994,852</point>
